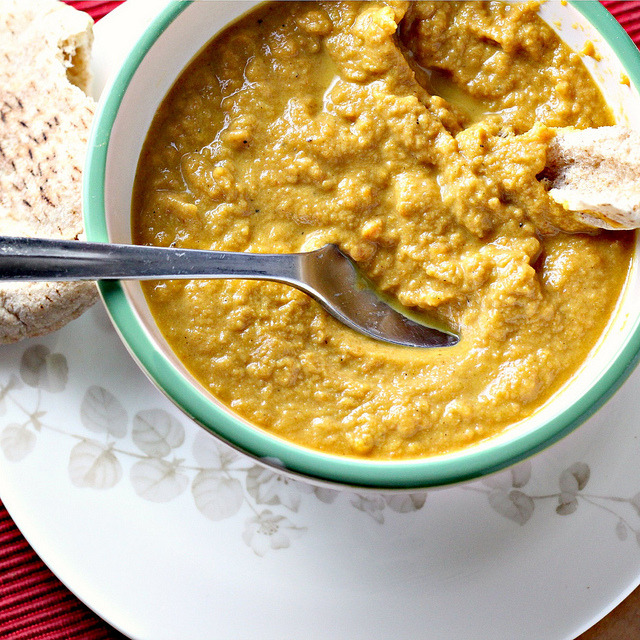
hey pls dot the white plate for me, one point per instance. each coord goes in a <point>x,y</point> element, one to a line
<point>168,535</point>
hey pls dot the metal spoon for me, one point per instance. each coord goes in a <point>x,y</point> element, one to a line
<point>327,275</point>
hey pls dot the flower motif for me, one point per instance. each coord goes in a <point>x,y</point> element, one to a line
<point>266,487</point>
<point>328,496</point>
<point>371,504</point>
<point>267,530</point>
<point>406,502</point>
<point>211,455</point>
<point>514,478</point>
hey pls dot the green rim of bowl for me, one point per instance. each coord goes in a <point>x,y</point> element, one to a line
<point>431,472</point>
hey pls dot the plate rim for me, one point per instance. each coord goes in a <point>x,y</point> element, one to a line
<point>42,544</point>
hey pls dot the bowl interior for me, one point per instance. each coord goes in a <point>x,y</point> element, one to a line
<point>124,116</point>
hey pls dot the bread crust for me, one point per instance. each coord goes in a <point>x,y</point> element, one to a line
<point>596,174</point>
<point>45,117</point>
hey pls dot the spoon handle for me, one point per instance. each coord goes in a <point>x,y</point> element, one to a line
<point>63,260</point>
<point>326,274</point>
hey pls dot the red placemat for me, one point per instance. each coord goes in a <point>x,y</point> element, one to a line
<point>628,14</point>
<point>96,9</point>
<point>34,604</point>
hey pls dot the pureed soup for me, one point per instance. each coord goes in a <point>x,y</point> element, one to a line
<point>413,136</point>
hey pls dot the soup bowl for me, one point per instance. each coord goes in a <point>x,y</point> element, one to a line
<point>125,112</point>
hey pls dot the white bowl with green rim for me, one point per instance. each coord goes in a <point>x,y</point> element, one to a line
<point>126,109</point>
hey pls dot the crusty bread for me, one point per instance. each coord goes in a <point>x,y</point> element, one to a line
<point>45,116</point>
<point>596,173</point>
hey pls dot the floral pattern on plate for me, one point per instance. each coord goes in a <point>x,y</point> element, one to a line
<point>222,481</point>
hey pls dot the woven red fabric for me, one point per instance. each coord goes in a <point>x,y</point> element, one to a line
<point>34,604</point>
<point>627,12</point>
<point>95,8</point>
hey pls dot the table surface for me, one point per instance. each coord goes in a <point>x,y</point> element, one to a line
<point>34,604</point>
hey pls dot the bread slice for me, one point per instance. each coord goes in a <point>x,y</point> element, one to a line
<point>45,117</point>
<point>596,174</point>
